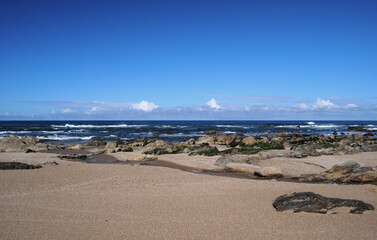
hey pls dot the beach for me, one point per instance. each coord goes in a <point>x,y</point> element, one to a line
<point>78,200</point>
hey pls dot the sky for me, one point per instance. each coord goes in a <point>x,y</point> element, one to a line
<point>188,60</point>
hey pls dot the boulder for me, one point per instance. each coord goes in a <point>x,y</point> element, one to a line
<point>343,168</point>
<point>232,158</point>
<point>270,172</point>
<point>249,141</point>
<point>224,139</point>
<point>206,139</point>
<point>96,143</point>
<point>111,145</point>
<point>12,144</point>
<point>315,203</point>
<point>39,147</point>
<point>30,141</point>
<point>77,147</point>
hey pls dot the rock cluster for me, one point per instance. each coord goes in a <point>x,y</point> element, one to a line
<point>347,172</point>
<point>15,144</point>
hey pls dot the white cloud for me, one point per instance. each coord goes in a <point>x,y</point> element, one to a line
<point>247,108</point>
<point>144,106</point>
<point>302,106</point>
<point>323,104</point>
<point>350,105</point>
<point>67,110</point>
<point>6,113</point>
<point>213,104</point>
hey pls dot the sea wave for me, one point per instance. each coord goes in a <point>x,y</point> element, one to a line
<point>15,132</point>
<point>62,138</point>
<point>311,123</point>
<point>232,126</point>
<point>309,126</point>
<point>98,126</point>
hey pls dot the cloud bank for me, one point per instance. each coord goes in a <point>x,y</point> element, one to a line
<point>210,110</point>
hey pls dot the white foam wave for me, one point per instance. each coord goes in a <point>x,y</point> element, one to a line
<point>229,132</point>
<point>232,126</point>
<point>309,126</point>
<point>98,126</point>
<point>182,135</point>
<point>170,126</point>
<point>62,138</point>
<point>15,132</point>
<point>311,123</point>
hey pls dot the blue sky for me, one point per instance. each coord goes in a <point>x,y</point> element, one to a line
<point>242,60</point>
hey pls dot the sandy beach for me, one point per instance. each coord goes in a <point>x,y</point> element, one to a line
<point>76,200</point>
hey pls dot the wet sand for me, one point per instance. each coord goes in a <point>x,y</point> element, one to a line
<point>77,200</point>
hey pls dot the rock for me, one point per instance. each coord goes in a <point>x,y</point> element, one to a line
<point>191,141</point>
<point>39,147</point>
<point>206,139</point>
<point>263,139</point>
<point>138,142</point>
<point>138,157</point>
<point>12,144</point>
<point>356,129</point>
<point>271,172</point>
<point>30,141</point>
<point>212,132</point>
<point>72,156</point>
<point>111,145</point>
<point>17,165</point>
<point>142,157</point>
<point>249,141</point>
<point>232,158</point>
<point>96,143</point>
<point>369,147</point>
<point>343,168</point>
<point>50,163</point>
<point>315,203</point>
<point>225,139</point>
<point>77,147</point>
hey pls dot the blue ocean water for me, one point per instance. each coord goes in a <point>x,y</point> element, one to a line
<point>69,132</point>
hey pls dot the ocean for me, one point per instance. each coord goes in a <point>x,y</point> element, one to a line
<point>74,132</point>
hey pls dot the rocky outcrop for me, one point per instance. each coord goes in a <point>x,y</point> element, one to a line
<point>269,172</point>
<point>249,141</point>
<point>15,144</point>
<point>347,172</point>
<point>218,139</point>
<point>17,165</point>
<point>233,158</point>
<point>96,143</point>
<point>315,203</point>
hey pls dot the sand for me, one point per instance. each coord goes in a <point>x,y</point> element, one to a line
<point>76,200</point>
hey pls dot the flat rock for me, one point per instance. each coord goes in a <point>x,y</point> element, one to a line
<point>17,165</point>
<point>270,172</point>
<point>315,203</point>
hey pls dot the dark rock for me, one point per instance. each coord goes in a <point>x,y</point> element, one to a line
<point>315,203</point>
<point>17,165</point>
<point>72,156</point>
<point>356,129</point>
<point>96,143</point>
<point>212,132</point>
